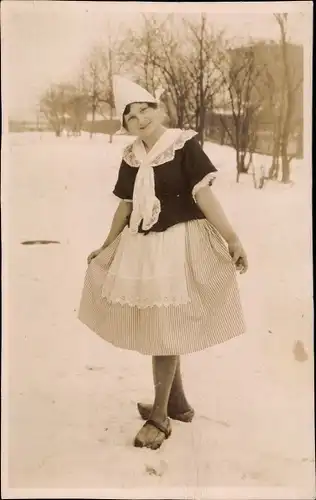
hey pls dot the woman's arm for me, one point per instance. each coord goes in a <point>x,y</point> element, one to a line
<point>214,213</point>
<point>119,221</point>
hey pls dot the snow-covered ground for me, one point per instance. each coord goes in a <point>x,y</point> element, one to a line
<point>70,399</point>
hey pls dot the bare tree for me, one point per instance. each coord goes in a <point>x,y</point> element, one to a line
<point>204,76</point>
<point>64,108</point>
<point>289,86</point>
<point>170,63</point>
<point>110,95</point>
<point>240,78</point>
<point>274,109</point>
<point>97,75</point>
<point>93,79</point>
<point>155,58</point>
<point>177,54</point>
<point>52,106</point>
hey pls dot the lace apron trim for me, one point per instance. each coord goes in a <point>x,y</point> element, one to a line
<point>148,270</point>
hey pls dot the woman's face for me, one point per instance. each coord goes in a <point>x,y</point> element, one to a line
<point>142,120</point>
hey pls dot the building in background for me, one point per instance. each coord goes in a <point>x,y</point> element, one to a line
<point>267,82</point>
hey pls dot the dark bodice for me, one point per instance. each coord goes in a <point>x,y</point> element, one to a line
<point>174,182</point>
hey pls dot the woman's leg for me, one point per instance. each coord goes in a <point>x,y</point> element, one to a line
<point>177,401</point>
<point>164,368</point>
<point>178,406</point>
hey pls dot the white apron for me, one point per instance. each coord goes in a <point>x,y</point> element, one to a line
<point>148,270</point>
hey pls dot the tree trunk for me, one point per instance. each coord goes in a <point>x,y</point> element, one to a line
<point>57,127</point>
<point>262,177</point>
<point>240,154</point>
<point>93,120</point>
<point>238,165</point>
<point>197,118</point>
<point>285,169</point>
<point>181,113</point>
<point>288,101</point>
<point>111,118</point>
<point>274,169</point>
<point>286,138</point>
<point>202,126</point>
<point>222,135</point>
<point>242,162</point>
<point>275,166</point>
<point>111,89</point>
<point>284,154</point>
<point>299,144</point>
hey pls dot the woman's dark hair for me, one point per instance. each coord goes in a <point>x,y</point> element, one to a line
<point>127,110</point>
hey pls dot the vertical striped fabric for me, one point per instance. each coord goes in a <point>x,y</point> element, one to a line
<point>214,314</point>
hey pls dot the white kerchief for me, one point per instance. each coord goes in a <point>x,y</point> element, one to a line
<point>146,206</point>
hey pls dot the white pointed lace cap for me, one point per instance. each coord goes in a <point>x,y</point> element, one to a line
<point>126,92</point>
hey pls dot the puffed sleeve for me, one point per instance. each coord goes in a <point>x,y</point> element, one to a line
<point>199,169</point>
<point>125,182</point>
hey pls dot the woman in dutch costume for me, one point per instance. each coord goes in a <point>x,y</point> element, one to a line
<point>164,281</point>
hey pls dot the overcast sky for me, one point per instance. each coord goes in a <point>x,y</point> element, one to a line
<point>47,41</point>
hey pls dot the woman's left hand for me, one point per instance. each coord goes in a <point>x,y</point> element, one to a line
<point>238,255</point>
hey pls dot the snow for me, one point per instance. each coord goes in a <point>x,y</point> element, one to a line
<point>70,398</point>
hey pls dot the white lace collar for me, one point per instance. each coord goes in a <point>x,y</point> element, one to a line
<point>163,151</point>
<point>146,205</point>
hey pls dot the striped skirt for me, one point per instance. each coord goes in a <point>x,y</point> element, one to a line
<point>211,315</point>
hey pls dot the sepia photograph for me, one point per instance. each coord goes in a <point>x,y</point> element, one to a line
<point>157,264</point>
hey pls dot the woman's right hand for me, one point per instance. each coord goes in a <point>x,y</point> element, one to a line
<point>238,255</point>
<point>94,254</point>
